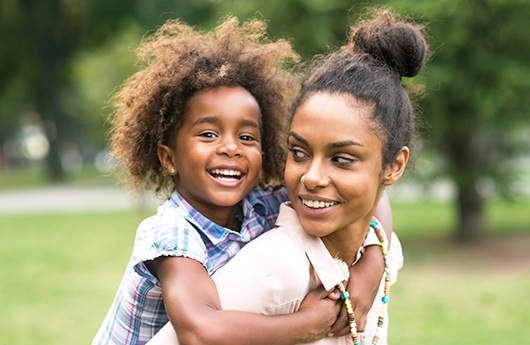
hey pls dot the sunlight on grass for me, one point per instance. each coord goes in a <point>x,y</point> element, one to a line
<point>63,271</point>
<point>435,307</point>
<point>27,178</point>
<point>60,273</point>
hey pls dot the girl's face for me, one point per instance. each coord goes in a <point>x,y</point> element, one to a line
<point>217,153</point>
<point>338,154</point>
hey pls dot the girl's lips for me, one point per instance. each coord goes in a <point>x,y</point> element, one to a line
<point>226,174</point>
<point>227,177</point>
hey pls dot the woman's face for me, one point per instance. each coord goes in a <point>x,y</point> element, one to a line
<point>334,148</point>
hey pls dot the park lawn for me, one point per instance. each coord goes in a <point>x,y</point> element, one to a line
<point>60,273</point>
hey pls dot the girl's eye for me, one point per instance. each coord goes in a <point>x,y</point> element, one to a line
<point>210,135</point>
<point>247,137</point>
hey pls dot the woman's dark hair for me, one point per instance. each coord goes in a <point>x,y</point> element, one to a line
<point>380,52</point>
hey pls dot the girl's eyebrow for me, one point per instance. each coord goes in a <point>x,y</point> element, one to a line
<point>337,144</point>
<point>250,123</point>
<point>213,119</point>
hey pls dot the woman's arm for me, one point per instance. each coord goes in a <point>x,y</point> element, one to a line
<point>193,307</point>
<point>366,274</point>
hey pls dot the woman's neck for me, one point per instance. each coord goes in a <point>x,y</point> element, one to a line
<point>344,244</point>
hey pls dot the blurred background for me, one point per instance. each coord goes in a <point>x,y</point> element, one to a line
<point>463,212</point>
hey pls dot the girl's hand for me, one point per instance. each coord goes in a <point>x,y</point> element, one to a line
<point>320,313</point>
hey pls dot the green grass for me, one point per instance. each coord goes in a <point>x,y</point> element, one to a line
<point>60,272</point>
<point>27,178</point>
<point>436,307</point>
<point>438,219</point>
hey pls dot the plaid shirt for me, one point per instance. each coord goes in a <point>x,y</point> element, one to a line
<point>177,229</point>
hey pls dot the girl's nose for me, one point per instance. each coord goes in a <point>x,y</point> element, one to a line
<point>230,148</point>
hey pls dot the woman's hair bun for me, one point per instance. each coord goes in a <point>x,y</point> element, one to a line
<point>399,44</point>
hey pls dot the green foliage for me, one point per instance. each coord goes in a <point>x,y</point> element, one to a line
<point>63,59</point>
<point>475,80</point>
<point>97,73</point>
<point>313,26</point>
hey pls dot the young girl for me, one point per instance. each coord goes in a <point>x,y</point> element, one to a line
<point>204,121</point>
<point>350,133</point>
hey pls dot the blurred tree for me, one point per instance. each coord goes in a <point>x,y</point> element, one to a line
<point>40,42</point>
<point>476,81</point>
<point>41,39</point>
<point>476,101</point>
<point>45,44</point>
<point>314,26</point>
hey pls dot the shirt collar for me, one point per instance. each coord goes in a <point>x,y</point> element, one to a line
<point>324,264</point>
<point>249,207</point>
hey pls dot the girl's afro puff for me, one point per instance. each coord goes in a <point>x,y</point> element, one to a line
<point>180,61</point>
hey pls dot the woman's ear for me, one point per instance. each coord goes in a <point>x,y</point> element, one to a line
<point>394,171</point>
<point>165,155</point>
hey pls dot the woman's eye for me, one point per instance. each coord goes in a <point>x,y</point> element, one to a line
<point>343,160</point>
<point>298,153</point>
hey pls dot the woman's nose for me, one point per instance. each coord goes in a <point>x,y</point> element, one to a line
<point>315,176</point>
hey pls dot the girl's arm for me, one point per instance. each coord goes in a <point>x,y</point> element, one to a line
<point>366,275</point>
<point>193,307</point>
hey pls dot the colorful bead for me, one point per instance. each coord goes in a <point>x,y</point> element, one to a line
<point>345,296</point>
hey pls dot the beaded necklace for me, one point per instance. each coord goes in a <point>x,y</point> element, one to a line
<point>345,296</point>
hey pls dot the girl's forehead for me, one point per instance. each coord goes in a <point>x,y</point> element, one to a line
<point>223,103</point>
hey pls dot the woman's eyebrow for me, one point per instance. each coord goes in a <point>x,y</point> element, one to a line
<point>298,137</point>
<point>337,144</point>
<point>345,143</point>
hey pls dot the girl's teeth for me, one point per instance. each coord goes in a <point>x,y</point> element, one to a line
<point>226,173</point>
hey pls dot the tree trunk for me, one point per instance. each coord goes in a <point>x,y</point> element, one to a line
<point>50,46</point>
<point>466,155</point>
<point>54,167</point>
<point>471,225</point>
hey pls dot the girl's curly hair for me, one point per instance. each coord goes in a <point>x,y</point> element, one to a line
<point>179,61</point>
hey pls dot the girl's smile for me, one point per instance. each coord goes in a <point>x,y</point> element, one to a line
<point>217,152</point>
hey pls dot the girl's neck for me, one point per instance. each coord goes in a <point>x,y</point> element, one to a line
<point>223,216</point>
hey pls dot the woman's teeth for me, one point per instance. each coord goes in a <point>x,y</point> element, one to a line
<point>318,204</point>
